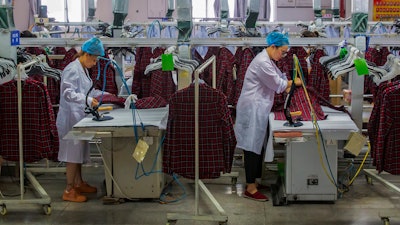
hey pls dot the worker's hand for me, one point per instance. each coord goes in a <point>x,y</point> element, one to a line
<point>298,82</point>
<point>131,98</point>
<point>289,85</point>
<point>95,103</point>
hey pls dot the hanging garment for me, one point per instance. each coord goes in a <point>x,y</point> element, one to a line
<point>374,119</point>
<point>379,57</point>
<point>387,154</point>
<point>286,64</point>
<point>110,82</point>
<point>225,81</point>
<point>40,136</point>
<point>141,82</point>
<point>216,136</point>
<point>68,58</point>
<point>243,58</point>
<point>207,74</point>
<point>161,82</point>
<point>224,71</point>
<point>58,62</point>
<point>318,78</point>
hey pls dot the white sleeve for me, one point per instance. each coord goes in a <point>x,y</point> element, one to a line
<point>70,86</point>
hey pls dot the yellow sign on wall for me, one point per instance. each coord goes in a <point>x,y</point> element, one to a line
<point>386,10</point>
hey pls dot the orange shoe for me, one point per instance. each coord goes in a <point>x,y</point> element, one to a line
<point>86,188</point>
<point>73,196</point>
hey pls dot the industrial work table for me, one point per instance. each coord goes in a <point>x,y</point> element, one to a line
<point>116,140</point>
<point>310,164</point>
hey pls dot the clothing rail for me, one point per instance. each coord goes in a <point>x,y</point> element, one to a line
<point>231,22</point>
<point>44,199</point>
<point>166,42</point>
<point>222,218</point>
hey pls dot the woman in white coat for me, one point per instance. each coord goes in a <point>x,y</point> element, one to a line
<point>262,80</point>
<point>74,88</point>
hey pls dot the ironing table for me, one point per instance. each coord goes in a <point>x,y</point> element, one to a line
<point>125,178</point>
<point>304,177</point>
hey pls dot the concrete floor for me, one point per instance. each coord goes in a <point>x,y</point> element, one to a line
<point>362,204</point>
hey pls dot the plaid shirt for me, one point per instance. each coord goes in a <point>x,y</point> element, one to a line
<point>216,135</point>
<point>141,82</point>
<point>299,103</point>
<point>318,78</point>
<point>286,64</point>
<point>386,154</point>
<point>379,57</point>
<point>374,119</point>
<point>243,58</point>
<point>111,84</point>
<point>207,74</point>
<point>111,99</point>
<point>225,81</point>
<point>57,63</point>
<point>150,102</point>
<point>68,57</point>
<point>40,136</point>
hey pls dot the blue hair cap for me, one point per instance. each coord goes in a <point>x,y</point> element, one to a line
<point>277,39</point>
<point>93,46</point>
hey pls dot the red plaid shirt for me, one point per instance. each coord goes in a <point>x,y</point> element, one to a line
<point>150,102</point>
<point>216,135</point>
<point>59,62</point>
<point>318,78</point>
<point>286,63</point>
<point>207,74</point>
<point>40,136</point>
<point>243,58</point>
<point>111,84</point>
<point>299,103</point>
<point>386,154</point>
<point>69,57</point>
<point>141,82</point>
<point>379,57</point>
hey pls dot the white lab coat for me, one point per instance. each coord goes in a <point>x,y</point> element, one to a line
<point>262,80</point>
<point>74,86</point>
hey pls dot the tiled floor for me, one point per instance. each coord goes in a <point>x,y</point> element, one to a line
<point>362,205</point>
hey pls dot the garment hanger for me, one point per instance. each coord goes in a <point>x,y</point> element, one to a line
<point>346,62</point>
<point>179,63</point>
<point>347,66</point>
<point>394,71</point>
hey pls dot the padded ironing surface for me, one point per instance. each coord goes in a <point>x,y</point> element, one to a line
<point>337,126</point>
<point>123,118</point>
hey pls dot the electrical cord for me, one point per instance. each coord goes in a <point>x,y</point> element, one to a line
<point>166,191</point>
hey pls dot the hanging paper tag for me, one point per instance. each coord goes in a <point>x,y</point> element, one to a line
<point>167,62</point>
<point>140,151</point>
<point>184,79</point>
<point>361,66</point>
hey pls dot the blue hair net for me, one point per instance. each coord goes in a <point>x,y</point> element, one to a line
<point>277,39</point>
<point>93,46</point>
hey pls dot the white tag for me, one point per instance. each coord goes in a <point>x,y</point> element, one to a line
<point>148,140</point>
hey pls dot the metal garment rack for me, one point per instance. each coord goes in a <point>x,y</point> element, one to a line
<point>44,198</point>
<point>222,218</point>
